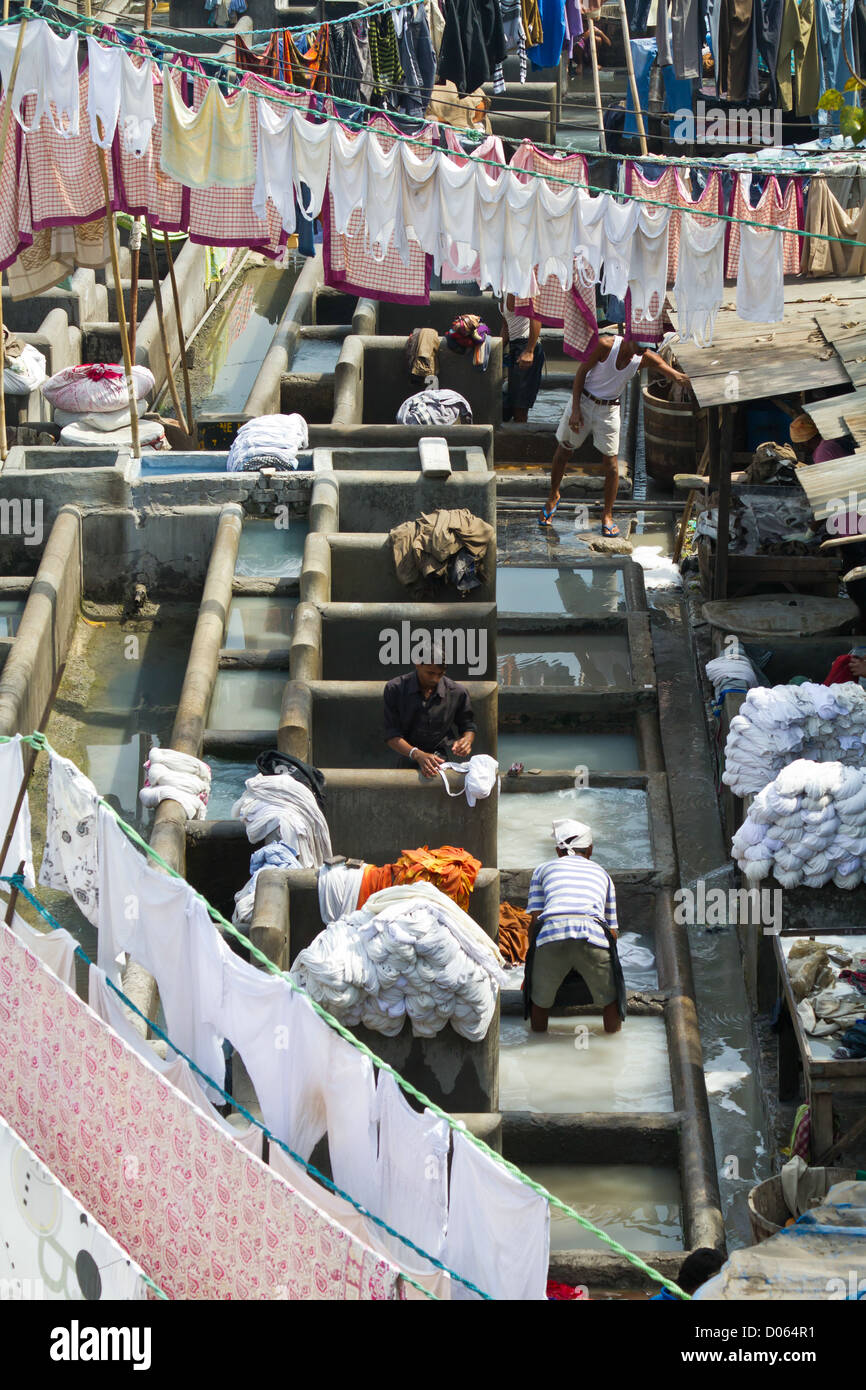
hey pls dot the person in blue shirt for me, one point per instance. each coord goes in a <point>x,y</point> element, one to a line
<point>695,1270</point>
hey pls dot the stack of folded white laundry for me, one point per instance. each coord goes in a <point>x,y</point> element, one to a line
<point>807,826</point>
<point>177,777</point>
<point>280,808</point>
<point>91,403</point>
<point>409,952</point>
<point>776,724</point>
<point>269,441</point>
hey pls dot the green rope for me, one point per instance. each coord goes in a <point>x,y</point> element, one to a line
<point>80,27</point>
<point>40,743</point>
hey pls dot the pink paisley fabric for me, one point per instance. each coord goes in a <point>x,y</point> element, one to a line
<point>203,1217</point>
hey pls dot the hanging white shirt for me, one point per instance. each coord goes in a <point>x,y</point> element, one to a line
<point>165,928</point>
<point>348,180</point>
<point>412,1174</point>
<point>647,276</point>
<point>48,70</point>
<point>421,195</point>
<point>760,276</point>
<point>556,232</point>
<point>498,1229</point>
<point>458,208</point>
<point>11,777</point>
<point>383,212</point>
<point>618,228</point>
<point>700,281</point>
<point>70,862</point>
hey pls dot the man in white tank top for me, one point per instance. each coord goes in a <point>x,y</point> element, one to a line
<point>594,410</point>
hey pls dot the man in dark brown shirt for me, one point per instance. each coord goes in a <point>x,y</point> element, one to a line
<point>428,718</point>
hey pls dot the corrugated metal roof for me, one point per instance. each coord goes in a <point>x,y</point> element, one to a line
<point>834,416</point>
<point>826,485</point>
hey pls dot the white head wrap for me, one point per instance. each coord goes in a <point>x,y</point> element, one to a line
<point>571,835</point>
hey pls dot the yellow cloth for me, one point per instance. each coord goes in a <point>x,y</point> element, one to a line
<point>799,34</point>
<point>213,145</point>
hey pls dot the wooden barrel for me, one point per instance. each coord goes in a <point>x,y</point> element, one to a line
<point>674,436</point>
<point>768,1212</point>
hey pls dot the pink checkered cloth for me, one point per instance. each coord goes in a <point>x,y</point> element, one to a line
<point>772,210</point>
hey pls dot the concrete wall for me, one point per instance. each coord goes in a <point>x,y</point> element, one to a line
<point>347,724</point>
<point>399,320</point>
<point>352,644</point>
<point>372,381</point>
<point>167,551</point>
<point>362,569</point>
<point>389,438</point>
<point>45,630</point>
<point>377,501</point>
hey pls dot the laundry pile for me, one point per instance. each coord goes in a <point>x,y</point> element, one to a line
<point>435,405</point>
<point>276,855</point>
<point>453,871</point>
<point>280,808</point>
<point>409,952</point>
<point>445,546</point>
<point>91,404</point>
<point>24,367</point>
<point>269,441</point>
<point>177,777</point>
<point>828,983</point>
<point>513,933</point>
<point>731,675</point>
<point>807,826</point>
<point>776,724</point>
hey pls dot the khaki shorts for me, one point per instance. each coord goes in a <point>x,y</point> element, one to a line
<point>600,421</point>
<point>553,962</point>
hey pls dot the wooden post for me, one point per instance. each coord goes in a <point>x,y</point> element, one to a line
<point>118,294</point>
<point>7,113</point>
<point>638,114</point>
<point>181,337</point>
<point>596,85</point>
<point>720,569</point>
<point>157,291</point>
<point>148,14</point>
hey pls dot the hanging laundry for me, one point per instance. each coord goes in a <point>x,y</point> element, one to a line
<point>55,948</point>
<point>120,95</point>
<point>166,929</point>
<point>472,43</point>
<point>737,57</point>
<point>417,57</point>
<point>514,926</point>
<point>70,861</point>
<point>798,40</point>
<point>424,547</point>
<point>11,778</point>
<point>548,51</point>
<point>211,145</point>
<point>174,1201</point>
<point>411,1173</point>
<point>760,280</point>
<point>647,278</point>
<point>687,37</point>
<point>106,1002</point>
<point>772,209</point>
<point>282,804</point>
<point>700,282</point>
<point>825,217</point>
<point>275,855</point>
<point>47,70</point>
<point>498,1228</point>
<point>388,72</point>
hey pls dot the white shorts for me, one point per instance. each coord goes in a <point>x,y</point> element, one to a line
<point>600,421</point>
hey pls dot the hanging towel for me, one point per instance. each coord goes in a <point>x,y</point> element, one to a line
<point>11,777</point>
<point>498,1229</point>
<point>210,146</point>
<point>412,1173</point>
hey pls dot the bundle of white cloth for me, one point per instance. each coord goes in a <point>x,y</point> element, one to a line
<point>269,441</point>
<point>409,952</point>
<point>177,777</point>
<point>824,723</point>
<point>283,808</point>
<point>731,673</point>
<point>807,826</point>
<point>480,774</point>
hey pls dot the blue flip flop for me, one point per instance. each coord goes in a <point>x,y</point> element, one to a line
<point>547,516</point>
<point>611,532</point>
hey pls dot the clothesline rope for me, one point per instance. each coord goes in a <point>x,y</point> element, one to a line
<point>40,743</point>
<point>492,163</point>
<point>364,13</point>
<point>17,882</point>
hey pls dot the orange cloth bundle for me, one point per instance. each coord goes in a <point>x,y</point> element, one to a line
<point>513,933</point>
<point>453,871</point>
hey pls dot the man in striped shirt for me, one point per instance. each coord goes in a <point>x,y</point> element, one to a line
<point>571,902</point>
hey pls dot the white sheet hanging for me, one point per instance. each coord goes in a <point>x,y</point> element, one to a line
<point>11,777</point>
<point>48,70</point>
<point>618,228</point>
<point>647,276</point>
<point>458,211</point>
<point>421,195</point>
<point>383,211</point>
<point>700,281</point>
<point>556,232</point>
<point>348,179</point>
<point>412,1174</point>
<point>760,277</point>
<point>498,1229</point>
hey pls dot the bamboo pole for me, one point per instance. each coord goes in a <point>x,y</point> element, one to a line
<point>7,113</point>
<point>181,338</point>
<point>118,294</point>
<point>134,255</point>
<point>638,114</point>
<point>157,292</point>
<point>596,84</point>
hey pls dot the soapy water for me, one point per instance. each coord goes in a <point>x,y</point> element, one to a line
<point>575,1066</point>
<point>618,817</point>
